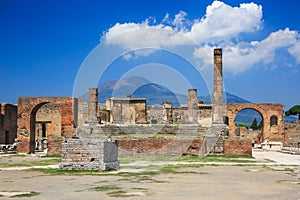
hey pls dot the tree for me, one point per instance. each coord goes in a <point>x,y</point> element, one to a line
<point>254,124</point>
<point>261,124</point>
<point>295,110</point>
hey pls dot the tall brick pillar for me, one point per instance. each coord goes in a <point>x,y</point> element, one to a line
<point>93,105</point>
<point>218,111</point>
<point>192,105</point>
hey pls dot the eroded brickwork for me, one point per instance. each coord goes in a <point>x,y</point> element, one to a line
<point>27,110</point>
<point>273,132</point>
<point>293,133</point>
<point>237,146</point>
<point>8,123</point>
<point>160,146</point>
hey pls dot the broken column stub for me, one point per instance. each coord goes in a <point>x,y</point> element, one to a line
<point>167,112</point>
<point>192,105</point>
<point>92,105</point>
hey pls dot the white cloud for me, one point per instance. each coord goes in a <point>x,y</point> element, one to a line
<point>142,35</point>
<point>242,56</point>
<point>223,22</point>
<point>181,22</point>
<point>220,25</point>
<point>295,51</point>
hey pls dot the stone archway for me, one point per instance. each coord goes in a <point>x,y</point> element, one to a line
<point>243,121</point>
<point>266,111</point>
<point>27,110</point>
<point>46,126</point>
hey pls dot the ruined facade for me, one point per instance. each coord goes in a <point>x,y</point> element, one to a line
<point>273,120</point>
<point>8,123</point>
<point>32,114</point>
<point>44,122</point>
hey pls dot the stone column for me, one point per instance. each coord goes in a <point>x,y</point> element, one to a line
<point>218,111</point>
<point>192,105</point>
<point>93,105</point>
<point>167,112</point>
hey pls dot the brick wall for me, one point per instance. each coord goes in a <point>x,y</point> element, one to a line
<point>160,146</point>
<point>8,123</point>
<point>237,146</point>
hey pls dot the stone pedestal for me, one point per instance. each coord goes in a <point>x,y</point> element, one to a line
<point>89,154</point>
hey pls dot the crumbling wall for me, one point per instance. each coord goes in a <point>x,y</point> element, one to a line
<point>293,132</point>
<point>160,146</point>
<point>27,109</point>
<point>270,132</point>
<point>237,146</point>
<point>8,123</point>
<point>89,154</point>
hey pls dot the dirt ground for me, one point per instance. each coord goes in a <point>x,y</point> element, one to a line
<point>263,181</point>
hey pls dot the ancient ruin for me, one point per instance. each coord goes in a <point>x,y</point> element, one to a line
<point>58,125</point>
<point>54,128</point>
<point>8,127</point>
<point>88,149</point>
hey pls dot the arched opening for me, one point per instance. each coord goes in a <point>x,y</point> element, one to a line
<point>249,123</point>
<point>273,120</point>
<point>226,120</point>
<point>45,124</point>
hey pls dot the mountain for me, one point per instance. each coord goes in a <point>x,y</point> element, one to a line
<point>154,93</point>
<point>157,94</point>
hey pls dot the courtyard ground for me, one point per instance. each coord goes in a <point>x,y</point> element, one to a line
<point>269,175</point>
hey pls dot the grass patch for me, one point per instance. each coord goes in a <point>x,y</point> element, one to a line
<point>31,163</point>
<point>30,194</point>
<point>51,156</point>
<point>105,188</point>
<point>19,155</point>
<point>70,172</point>
<point>218,158</point>
<point>112,191</point>
<point>208,158</point>
<point>118,193</point>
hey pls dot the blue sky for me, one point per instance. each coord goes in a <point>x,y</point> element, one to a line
<point>43,45</point>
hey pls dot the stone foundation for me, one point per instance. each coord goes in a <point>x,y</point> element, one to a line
<point>89,154</point>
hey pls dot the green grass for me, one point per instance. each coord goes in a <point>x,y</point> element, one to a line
<point>208,158</point>
<point>218,158</point>
<point>112,191</point>
<point>51,156</point>
<point>105,188</point>
<point>70,172</point>
<point>31,194</point>
<point>31,163</point>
